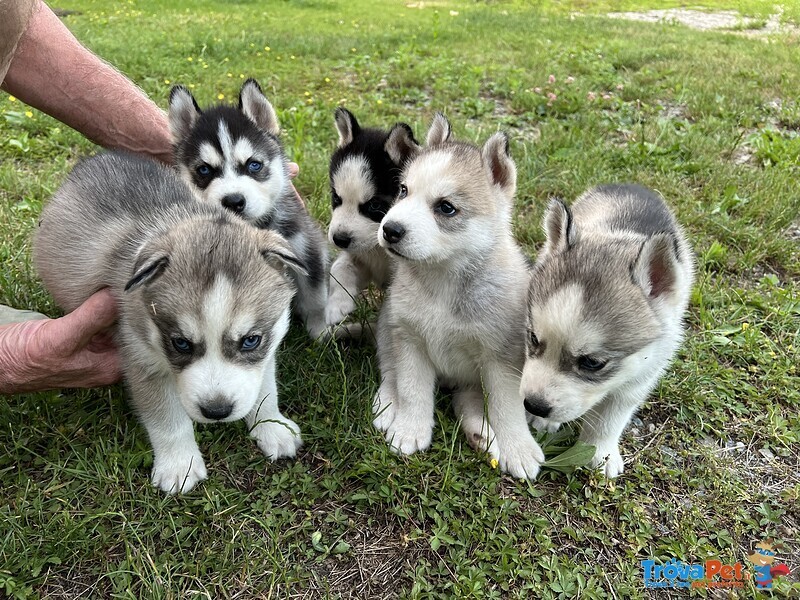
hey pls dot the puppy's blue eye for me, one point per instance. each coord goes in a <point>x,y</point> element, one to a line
<point>445,208</point>
<point>590,363</point>
<point>182,345</point>
<point>204,170</point>
<point>254,166</point>
<point>403,192</point>
<point>251,342</point>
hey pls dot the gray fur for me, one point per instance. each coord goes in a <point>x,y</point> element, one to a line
<point>610,287</point>
<point>130,224</point>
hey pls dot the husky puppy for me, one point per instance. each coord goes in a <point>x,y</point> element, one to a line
<point>453,307</point>
<point>203,298</point>
<point>606,303</point>
<point>364,183</point>
<point>232,157</point>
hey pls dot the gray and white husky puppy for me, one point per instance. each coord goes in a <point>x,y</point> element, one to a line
<point>204,301</point>
<point>607,297</point>
<point>231,156</point>
<point>364,183</point>
<point>455,304</point>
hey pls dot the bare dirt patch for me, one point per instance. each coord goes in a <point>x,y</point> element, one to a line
<point>726,20</point>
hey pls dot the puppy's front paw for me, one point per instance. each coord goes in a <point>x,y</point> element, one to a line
<point>179,471</point>
<point>540,424</point>
<point>521,458</point>
<point>338,308</point>
<point>277,438</point>
<point>609,459</point>
<point>406,436</point>
<point>383,407</point>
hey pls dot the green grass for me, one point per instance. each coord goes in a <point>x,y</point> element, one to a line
<point>713,462</point>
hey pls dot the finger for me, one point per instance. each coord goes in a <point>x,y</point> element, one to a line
<point>299,197</point>
<point>75,330</point>
<point>294,169</point>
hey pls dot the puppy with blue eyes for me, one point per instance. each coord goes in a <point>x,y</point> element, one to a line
<point>204,301</point>
<point>605,309</point>
<point>453,310</point>
<point>364,183</point>
<point>231,156</point>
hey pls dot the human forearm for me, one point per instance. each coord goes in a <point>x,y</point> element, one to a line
<point>53,72</point>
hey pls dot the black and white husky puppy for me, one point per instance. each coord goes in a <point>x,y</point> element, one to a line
<point>364,184</point>
<point>605,311</point>
<point>232,156</point>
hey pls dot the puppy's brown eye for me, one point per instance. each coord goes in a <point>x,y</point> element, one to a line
<point>445,208</point>
<point>403,192</point>
<point>590,363</point>
<point>533,340</point>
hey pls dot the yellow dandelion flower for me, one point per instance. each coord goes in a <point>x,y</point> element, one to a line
<point>306,93</point>
<point>189,58</point>
<point>205,66</point>
<point>352,49</point>
<point>220,96</point>
<point>230,74</point>
<point>267,48</point>
<point>166,81</point>
<point>258,53</point>
<point>380,101</point>
<point>309,101</point>
<point>241,75</point>
<point>12,99</point>
<point>191,86</point>
<point>292,56</point>
<point>29,114</point>
<point>327,80</point>
<point>494,463</point>
<point>227,59</point>
<point>745,326</point>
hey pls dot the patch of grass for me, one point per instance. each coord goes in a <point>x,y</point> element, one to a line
<point>712,460</point>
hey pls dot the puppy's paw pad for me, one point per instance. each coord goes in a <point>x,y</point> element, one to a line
<point>408,437</point>
<point>522,460</point>
<point>609,460</point>
<point>277,438</point>
<point>178,473</point>
<point>480,437</point>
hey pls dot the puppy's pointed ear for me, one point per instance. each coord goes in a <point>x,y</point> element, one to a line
<point>401,145</point>
<point>147,270</point>
<point>276,251</point>
<point>439,132</point>
<point>254,104</point>
<point>502,170</point>
<point>346,125</point>
<point>559,228</point>
<point>656,268</point>
<point>183,112</point>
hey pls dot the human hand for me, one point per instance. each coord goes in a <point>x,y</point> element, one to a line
<point>73,351</point>
<point>294,170</point>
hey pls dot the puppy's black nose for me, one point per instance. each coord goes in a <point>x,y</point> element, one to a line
<point>217,410</point>
<point>343,241</point>
<point>537,406</point>
<point>234,202</point>
<point>393,232</point>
